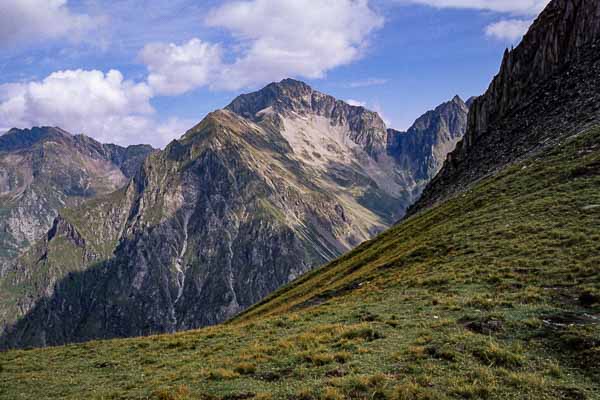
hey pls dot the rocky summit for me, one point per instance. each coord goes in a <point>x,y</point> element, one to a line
<point>423,149</point>
<point>278,182</point>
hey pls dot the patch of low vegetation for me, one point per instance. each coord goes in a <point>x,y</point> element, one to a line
<point>491,295</point>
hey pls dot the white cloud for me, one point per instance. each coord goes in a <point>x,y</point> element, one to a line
<point>104,106</point>
<point>177,69</point>
<point>35,19</point>
<point>273,39</point>
<point>297,38</point>
<point>367,82</point>
<point>511,30</point>
<point>356,103</point>
<point>521,7</point>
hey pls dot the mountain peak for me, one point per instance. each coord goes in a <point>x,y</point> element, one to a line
<point>290,95</point>
<point>290,100</point>
<point>279,95</point>
<point>293,83</point>
<point>457,99</point>
<point>16,138</point>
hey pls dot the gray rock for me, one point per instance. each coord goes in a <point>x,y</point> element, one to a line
<point>45,169</point>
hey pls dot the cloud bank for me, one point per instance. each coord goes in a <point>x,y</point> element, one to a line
<point>26,20</point>
<point>270,40</point>
<point>105,106</point>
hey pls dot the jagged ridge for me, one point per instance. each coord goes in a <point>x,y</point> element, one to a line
<point>547,89</point>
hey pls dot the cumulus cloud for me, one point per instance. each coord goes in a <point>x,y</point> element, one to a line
<point>105,106</point>
<point>511,30</point>
<point>521,7</point>
<point>177,69</point>
<point>302,38</point>
<point>34,19</point>
<point>272,40</point>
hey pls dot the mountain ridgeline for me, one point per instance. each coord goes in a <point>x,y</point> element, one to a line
<point>280,181</point>
<point>45,169</point>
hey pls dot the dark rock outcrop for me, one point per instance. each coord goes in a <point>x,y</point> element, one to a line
<point>547,89</point>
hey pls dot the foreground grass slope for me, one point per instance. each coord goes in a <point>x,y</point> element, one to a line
<point>494,294</point>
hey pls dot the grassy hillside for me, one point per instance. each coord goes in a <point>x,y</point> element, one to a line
<point>494,294</point>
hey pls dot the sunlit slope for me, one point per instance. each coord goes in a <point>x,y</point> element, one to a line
<point>493,294</point>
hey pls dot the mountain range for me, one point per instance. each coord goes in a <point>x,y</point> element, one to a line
<point>487,288</point>
<point>278,182</point>
<point>44,169</point>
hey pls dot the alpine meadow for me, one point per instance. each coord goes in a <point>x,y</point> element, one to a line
<point>293,244</point>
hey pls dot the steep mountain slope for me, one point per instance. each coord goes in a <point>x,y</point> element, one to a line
<point>281,181</point>
<point>547,89</point>
<point>45,169</point>
<point>422,150</point>
<point>492,295</point>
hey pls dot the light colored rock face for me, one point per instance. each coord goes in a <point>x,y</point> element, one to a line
<point>257,194</point>
<point>321,146</point>
<point>547,89</point>
<point>329,134</point>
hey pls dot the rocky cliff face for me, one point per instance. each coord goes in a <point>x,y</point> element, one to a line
<point>547,88</point>
<point>280,181</point>
<point>45,169</point>
<point>422,150</point>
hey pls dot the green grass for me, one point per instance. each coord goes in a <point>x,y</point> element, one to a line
<point>492,295</point>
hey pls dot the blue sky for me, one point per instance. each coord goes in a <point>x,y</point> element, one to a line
<point>131,71</point>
